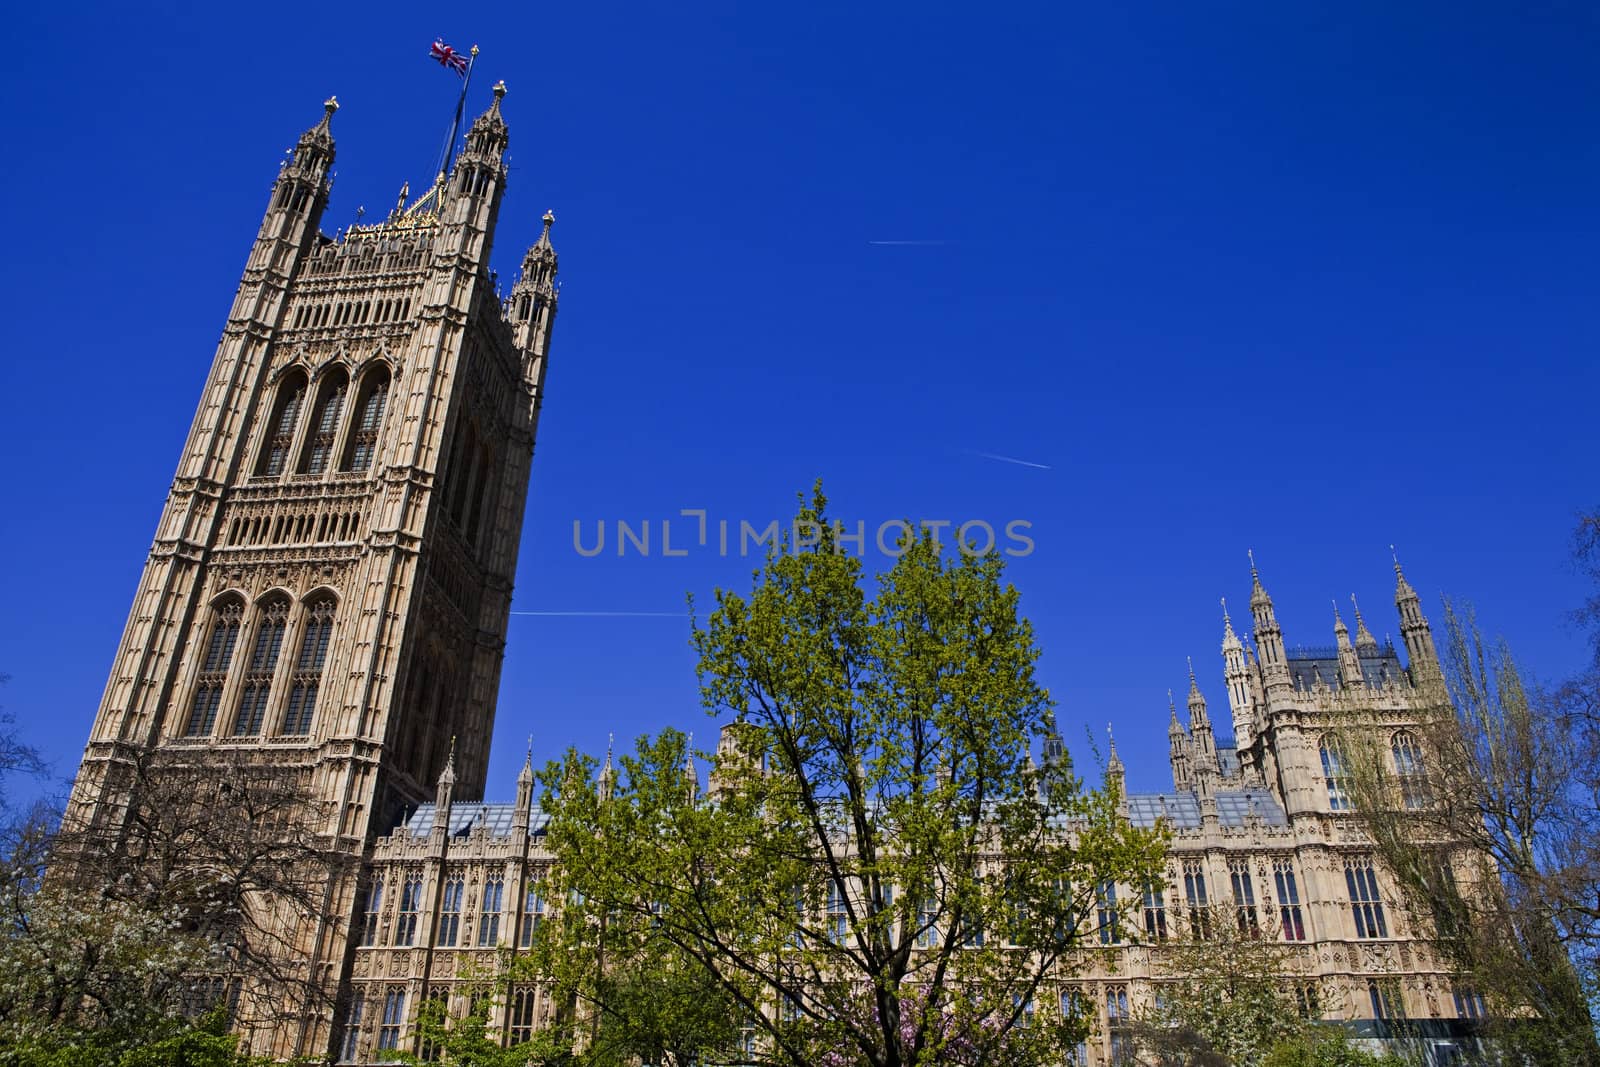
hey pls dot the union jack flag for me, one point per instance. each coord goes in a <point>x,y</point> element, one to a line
<point>448,57</point>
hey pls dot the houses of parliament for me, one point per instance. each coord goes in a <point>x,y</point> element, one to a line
<point>327,597</point>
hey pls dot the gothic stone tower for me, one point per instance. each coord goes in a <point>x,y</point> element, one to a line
<point>328,590</point>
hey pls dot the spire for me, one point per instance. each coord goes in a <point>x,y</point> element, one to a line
<point>690,772</point>
<point>323,130</point>
<point>1258,592</point>
<point>1365,642</point>
<point>443,791</point>
<point>1236,672</point>
<point>1269,638</point>
<point>1181,749</point>
<point>1414,628</point>
<point>448,775</point>
<point>486,139</point>
<point>608,773</point>
<point>519,817</point>
<point>526,774</point>
<point>1341,632</point>
<point>544,236</point>
<point>1116,775</point>
<point>1230,640</point>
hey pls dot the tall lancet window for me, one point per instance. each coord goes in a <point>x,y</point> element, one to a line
<point>363,443</point>
<point>270,626</point>
<point>1337,778</point>
<point>308,666</point>
<point>318,454</point>
<point>228,617</point>
<point>1414,792</point>
<point>280,431</point>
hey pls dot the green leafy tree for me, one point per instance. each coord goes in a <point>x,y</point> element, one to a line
<point>1229,1000</point>
<point>879,875</point>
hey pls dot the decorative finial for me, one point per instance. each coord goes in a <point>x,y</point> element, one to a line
<point>1225,620</point>
<point>529,760</point>
<point>1252,554</point>
<point>1172,705</point>
<point>1190,660</point>
<point>499,90</point>
<point>329,106</point>
<point>474,51</point>
<point>549,218</point>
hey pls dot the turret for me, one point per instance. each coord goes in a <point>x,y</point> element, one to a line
<point>1057,763</point>
<point>443,794</point>
<point>607,783</point>
<point>1414,628</point>
<point>1116,774</point>
<point>471,201</point>
<point>520,817</point>
<point>1350,676</point>
<point>691,774</point>
<point>739,753</point>
<point>532,304</point>
<point>1182,750</point>
<point>1236,672</point>
<point>1269,638</point>
<point>1205,746</point>
<point>304,179</point>
<point>1366,644</point>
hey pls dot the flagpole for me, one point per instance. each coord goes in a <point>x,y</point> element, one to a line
<point>455,125</point>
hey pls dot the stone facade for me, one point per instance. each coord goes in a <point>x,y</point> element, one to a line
<point>328,592</point>
<point>330,582</point>
<point>1263,837</point>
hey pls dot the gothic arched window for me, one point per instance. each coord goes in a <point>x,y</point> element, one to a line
<point>482,479</point>
<point>318,451</point>
<point>308,666</point>
<point>271,622</point>
<point>1333,771</point>
<point>466,450</point>
<point>363,443</point>
<point>227,617</point>
<point>1413,777</point>
<point>280,430</point>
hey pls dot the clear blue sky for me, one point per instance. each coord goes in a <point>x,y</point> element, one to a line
<point>1305,278</point>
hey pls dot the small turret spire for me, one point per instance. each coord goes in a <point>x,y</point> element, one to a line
<point>448,775</point>
<point>1364,639</point>
<point>1230,640</point>
<point>1258,592</point>
<point>443,793</point>
<point>608,773</point>
<point>1174,727</point>
<point>1116,774</point>
<point>526,774</point>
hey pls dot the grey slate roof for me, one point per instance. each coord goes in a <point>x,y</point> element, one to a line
<point>1182,810</point>
<point>465,819</point>
<point>1309,665</point>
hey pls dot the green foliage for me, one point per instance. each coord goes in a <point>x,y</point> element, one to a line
<point>879,875</point>
<point>1326,1046</point>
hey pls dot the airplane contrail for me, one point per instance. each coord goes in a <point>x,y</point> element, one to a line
<point>607,614</point>
<point>908,242</point>
<point>1013,459</point>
